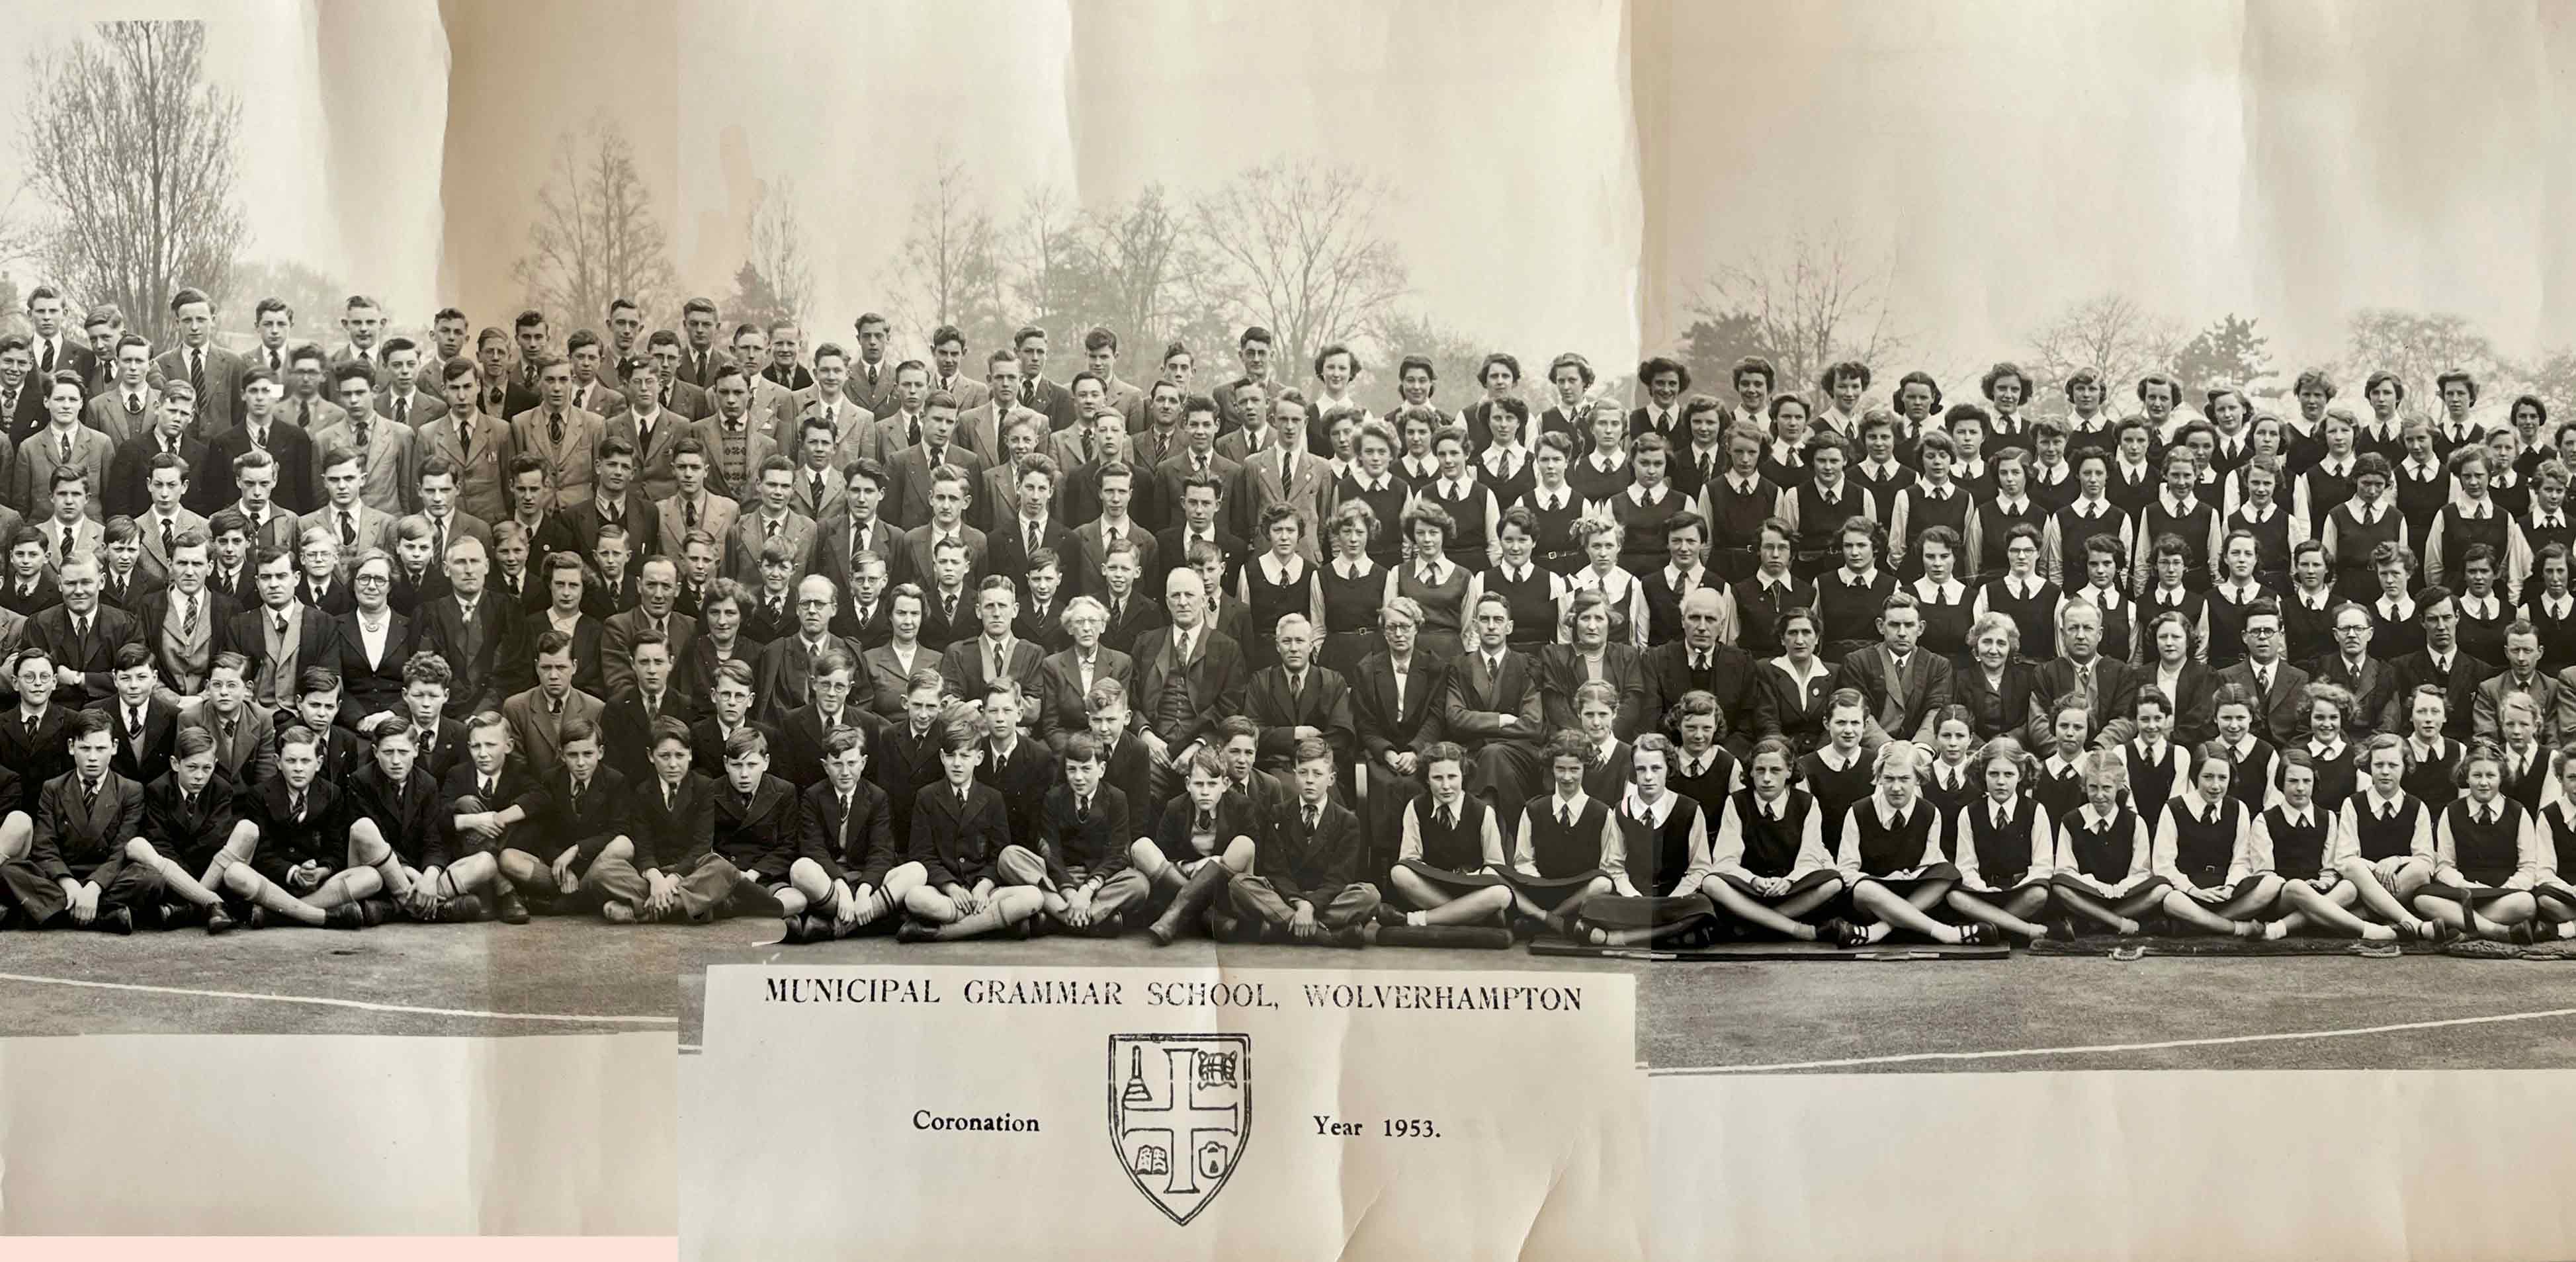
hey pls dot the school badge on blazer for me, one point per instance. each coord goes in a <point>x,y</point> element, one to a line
<point>1180,1110</point>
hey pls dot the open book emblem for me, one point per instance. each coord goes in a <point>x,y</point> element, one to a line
<point>1180,1110</point>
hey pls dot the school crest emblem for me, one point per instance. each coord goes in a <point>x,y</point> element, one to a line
<point>1180,1110</point>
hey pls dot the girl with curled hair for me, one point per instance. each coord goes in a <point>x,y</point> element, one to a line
<point>2003,845</point>
<point>1891,858</point>
<point>2103,853</point>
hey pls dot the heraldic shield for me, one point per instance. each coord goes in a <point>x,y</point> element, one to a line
<point>1180,1110</point>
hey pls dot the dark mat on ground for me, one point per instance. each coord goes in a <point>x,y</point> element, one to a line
<point>1776,951</point>
<point>2161,944</point>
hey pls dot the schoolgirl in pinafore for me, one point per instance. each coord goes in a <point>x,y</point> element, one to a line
<point>1267,598</point>
<point>1443,597</point>
<point>2486,858</point>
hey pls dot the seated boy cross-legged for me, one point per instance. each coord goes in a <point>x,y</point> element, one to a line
<point>846,849</point>
<point>310,859</point>
<point>1203,840</point>
<point>951,888</point>
<point>669,869</point>
<point>1079,855</point>
<point>577,816</point>
<point>187,821</point>
<point>491,801</point>
<point>1301,882</point>
<point>76,869</point>
<point>755,832</point>
<point>426,881</point>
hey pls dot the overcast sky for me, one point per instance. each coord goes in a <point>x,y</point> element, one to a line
<point>2294,159</point>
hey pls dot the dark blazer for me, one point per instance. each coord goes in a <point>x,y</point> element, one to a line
<point>187,837</point>
<point>1472,708</point>
<point>366,689</point>
<point>321,836</point>
<point>93,655</point>
<point>907,501</point>
<point>439,754</point>
<point>783,670</point>
<point>939,628</point>
<point>914,554</point>
<point>672,838</point>
<point>857,846</point>
<point>137,590</point>
<point>2281,715</point>
<point>37,752</point>
<point>1006,549</point>
<point>1561,671</point>
<point>1781,708</point>
<point>409,593</point>
<point>141,756</point>
<point>626,736</point>
<point>84,838</point>
<point>617,634</point>
<point>2114,681</point>
<point>643,528</point>
<point>1729,678</point>
<point>1927,687</point>
<point>958,842</point>
<point>1171,554</point>
<point>1097,844</point>
<point>1236,816</point>
<point>1382,727</point>
<point>1140,617</point>
<point>293,449</point>
<point>131,467</point>
<point>965,673</point>
<point>1043,624</point>
<point>1996,712</point>
<point>1183,701</point>
<point>874,630</point>
<point>1309,866</point>
<point>905,766</point>
<point>406,813</point>
<point>247,759</point>
<point>1023,782</point>
<point>757,832</point>
<point>832,553</point>
<point>516,671</point>
<point>440,628</point>
<point>1063,708</point>
<point>2371,686</point>
<point>517,786</point>
<point>798,757</point>
<point>706,746</point>
<point>2459,685</point>
<point>44,595</point>
<point>154,618</point>
<point>1323,704</point>
<point>2193,709</point>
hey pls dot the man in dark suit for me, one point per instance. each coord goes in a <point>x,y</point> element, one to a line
<point>1905,688</point>
<point>2351,667</point>
<point>913,467</point>
<point>22,396</point>
<point>865,617</point>
<point>142,724</point>
<point>82,635</point>
<point>2439,664</point>
<point>1304,884</point>
<point>1202,496</point>
<point>1187,679</point>
<point>51,342</point>
<point>1254,349</point>
<point>466,626</point>
<point>2280,703</point>
<point>260,430</point>
<point>77,868</point>
<point>657,590</point>
<point>1063,689</point>
<point>785,345</point>
<point>701,356</point>
<point>1700,662</point>
<point>1297,700</point>
<point>789,663</point>
<point>853,526</point>
<point>1035,390</point>
<point>1492,707</point>
<point>872,377</point>
<point>307,639</point>
<point>626,726</point>
<point>614,499</point>
<point>2109,685</point>
<point>214,372</point>
<point>130,470</point>
<point>966,667</point>
<point>1030,527</point>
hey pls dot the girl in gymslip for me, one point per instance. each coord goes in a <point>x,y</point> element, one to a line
<point>2384,842</point>
<point>2556,896</point>
<point>2301,834</point>
<point>2003,845</point>
<point>2058,781</point>
<point>2102,852</point>
<point>2216,879</point>
<point>2487,854</point>
<point>1768,866</point>
<point>1891,858</point>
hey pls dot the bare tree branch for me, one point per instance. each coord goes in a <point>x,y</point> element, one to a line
<point>1814,302</point>
<point>596,237</point>
<point>132,151</point>
<point>2109,333</point>
<point>1296,247</point>
<point>946,271</point>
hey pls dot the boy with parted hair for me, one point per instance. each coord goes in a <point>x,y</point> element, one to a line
<point>1303,884</point>
<point>951,886</point>
<point>306,857</point>
<point>489,795</point>
<point>670,871</point>
<point>756,832</point>
<point>847,846</point>
<point>187,819</point>
<point>76,870</point>
<point>395,791</point>
<point>1079,846</point>
<point>1205,838</point>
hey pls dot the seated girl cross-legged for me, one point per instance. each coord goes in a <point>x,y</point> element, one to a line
<point>2384,842</point>
<point>2301,835</point>
<point>1892,843</point>
<point>2205,851</point>
<point>1768,866</point>
<point>2486,857</point>
<point>2102,852</point>
<point>2003,845</point>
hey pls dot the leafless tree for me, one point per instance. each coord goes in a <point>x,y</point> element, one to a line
<point>1145,265</point>
<point>779,282</point>
<point>2418,348</point>
<point>596,236</point>
<point>1454,357</point>
<point>1815,300</point>
<point>947,271</point>
<point>132,151</point>
<point>1045,255</point>
<point>2107,332</point>
<point>1296,247</point>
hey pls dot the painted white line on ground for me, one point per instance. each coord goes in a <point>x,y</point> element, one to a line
<point>360,1005</point>
<point>2096,1048</point>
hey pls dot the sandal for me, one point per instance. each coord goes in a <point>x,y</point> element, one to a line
<point>1980,934</point>
<point>1844,933</point>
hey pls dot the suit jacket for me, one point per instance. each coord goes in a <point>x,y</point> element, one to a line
<point>1477,700</point>
<point>2115,683</point>
<point>716,518</point>
<point>672,837</point>
<point>1022,780</point>
<point>132,592</point>
<point>42,453</point>
<point>905,766</point>
<point>482,479</point>
<point>691,402</point>
<point>914,555</point>
<point>155,560</point>
<point>248,758</point>
<point>758,832</point>
<point>1054,400</point>
<point>537,733</point>
<point>1729,678</point>
<point>107,414</point>
<point>1139,617</point>
<point>698,367</point>
<point>1387,726</point>
<point>2371,686</point>
<point>832,554</point>
<point>1561,671</point>
<point>2281,715</point>
<point>471,653</point>
<point>2548,692</point>
<point>2459,684</point>
<point>783,672</point>
<point>1927,688</point>
<point>93,655</point>
<point>1091,555</point>
<point>84,838</point>
<point>969,393</point>
<point>1064,707</point>
<point>187,835</point>
<point>375,529</point>
<point>874,628</point>
<point>317,642</point>
<point>406,813</point>
<point>653,477</point>
<point>907,501</point>
<point>617,648</point>
<point>1175,468</point>
<point>1172,551</point>
<point>87,538</point>
<point>219,403</point>
<point>1313,495</point>
<point>37,752</point>
<point>1311,866</point>
<point>598,398</point>
<point>958,842</point>
<point>642,519</point>
<point>1042,622</point>
<point>568,464</point>
<point>391,460</point>
<point>798,755</point>
<point>368,688</point>
<point>142,754</point>
<point>1322,702</point>
<point>856,845</point>
<point>751,533</point>
<point>1183,701</point>
<point>153,619</point>
<point>877,395</point>
<point>293,450</point>
<point>965,672</point>
<point>981,430</point>
<point>426,406</point>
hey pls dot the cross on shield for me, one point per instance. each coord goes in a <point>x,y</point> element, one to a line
<point>1180,1111</point>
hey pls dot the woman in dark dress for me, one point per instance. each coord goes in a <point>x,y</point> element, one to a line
<point>1373,483</point>
<point>1791,691</point>
<point>1996,685</point>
